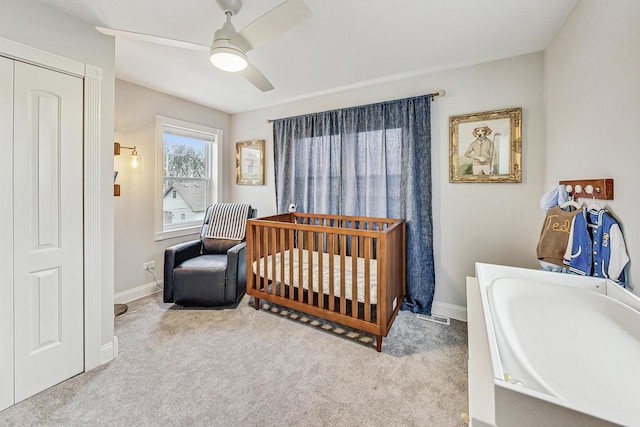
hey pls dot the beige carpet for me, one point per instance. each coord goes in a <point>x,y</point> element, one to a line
<point>244,367</point>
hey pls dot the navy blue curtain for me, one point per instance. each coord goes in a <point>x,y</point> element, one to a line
<point>372,160</point>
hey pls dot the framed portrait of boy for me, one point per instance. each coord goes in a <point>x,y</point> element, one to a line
<point>486,147</point>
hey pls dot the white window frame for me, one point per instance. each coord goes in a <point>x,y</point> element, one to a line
<point>214,164</point>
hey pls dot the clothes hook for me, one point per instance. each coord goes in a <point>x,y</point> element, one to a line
<point>589,190</point>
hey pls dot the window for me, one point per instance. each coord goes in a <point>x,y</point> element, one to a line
<point>368,170</point>
<point>188,175</point>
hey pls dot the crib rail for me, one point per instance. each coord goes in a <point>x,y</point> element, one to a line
<point>344,269</point>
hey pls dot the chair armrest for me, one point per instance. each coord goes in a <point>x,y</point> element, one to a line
<point>237,248</point>
<point>236,272</point>
<point>184,251</point>
<point>174,256</point>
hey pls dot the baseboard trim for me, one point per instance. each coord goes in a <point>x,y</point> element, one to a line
<point>449,310</point>
<point>439,308</point>
<point>136,293</point>
<point>109,351</point>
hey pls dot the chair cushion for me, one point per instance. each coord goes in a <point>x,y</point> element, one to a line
<point>217,246</point>
<point>201,281</point>
<point>210,262</point>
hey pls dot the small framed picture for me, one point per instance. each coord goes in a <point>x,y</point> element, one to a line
<point>250,162</point>
<point>486,147</point>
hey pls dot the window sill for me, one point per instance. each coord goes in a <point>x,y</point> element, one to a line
<point>180,232</point>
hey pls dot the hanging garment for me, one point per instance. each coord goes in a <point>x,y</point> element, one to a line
<point>554,197</point>
<point>554,236</point>
<point>596,247</point>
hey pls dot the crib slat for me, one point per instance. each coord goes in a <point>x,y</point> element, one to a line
<point>272,251</point>
<point>265,257</point>
<point>310,269</point>
<point>281,249</point>
<point>330,243</point>
<point>320,270</point>
<point>354,277</point>
<point>258,259</point>
<point>300,265</point>
<point>343,252</point>
<point>265,260</point>
<point>291,287</point>
<point>380,278</point>
<point>265,254</point>
<point>367,278</point>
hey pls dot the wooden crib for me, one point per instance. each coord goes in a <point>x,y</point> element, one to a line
<point>345,269</point>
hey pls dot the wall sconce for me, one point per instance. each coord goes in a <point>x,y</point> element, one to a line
<point>134,153</point>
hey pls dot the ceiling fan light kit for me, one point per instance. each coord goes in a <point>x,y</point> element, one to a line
<point>224,54</point>
<point>229,49</point>
<point>228,59</point>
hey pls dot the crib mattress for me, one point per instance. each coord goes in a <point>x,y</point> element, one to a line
<point>326,273</point>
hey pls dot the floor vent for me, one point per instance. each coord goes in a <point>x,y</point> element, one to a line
<point>435,318</point>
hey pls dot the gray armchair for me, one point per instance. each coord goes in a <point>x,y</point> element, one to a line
<point>206,272</point>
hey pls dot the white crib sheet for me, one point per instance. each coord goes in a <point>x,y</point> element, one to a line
<point>325,273</point>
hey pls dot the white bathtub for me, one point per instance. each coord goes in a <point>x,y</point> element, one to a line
<point>552,349</point>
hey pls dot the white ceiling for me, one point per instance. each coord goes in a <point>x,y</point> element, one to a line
<point>345,44</point>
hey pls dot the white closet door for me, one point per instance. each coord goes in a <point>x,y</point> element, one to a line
<point>48,257</point>
<point>6,233</point>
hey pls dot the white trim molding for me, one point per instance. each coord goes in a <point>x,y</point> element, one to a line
<point>449,310</point>
<point>109,351</point>
<point>214,171</point>
<point>40,58</point>
<point>93,282</point>
<point>92,230</point>
<point>137,292</point>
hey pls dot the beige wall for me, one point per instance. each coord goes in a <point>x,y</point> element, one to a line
<point>495,223</point>
<point>31,23</point>
<point>135,121</point>
<point>592,92</point>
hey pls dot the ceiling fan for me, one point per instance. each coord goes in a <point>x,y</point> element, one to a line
<point>229,48</point>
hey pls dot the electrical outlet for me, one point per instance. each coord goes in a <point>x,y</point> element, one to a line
<point>148,265</point>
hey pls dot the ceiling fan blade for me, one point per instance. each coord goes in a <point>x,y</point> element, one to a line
<point>240,41</point>
<point>256,78</point>
<point>277,21</point>
<point>131,35</point>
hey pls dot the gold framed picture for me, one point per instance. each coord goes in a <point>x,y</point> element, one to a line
<point>250,162</point>
<point>486,147</point>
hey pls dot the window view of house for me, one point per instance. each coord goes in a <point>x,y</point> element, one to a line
<point>186,177</point>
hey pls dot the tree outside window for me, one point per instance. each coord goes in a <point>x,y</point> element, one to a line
<point>188,156</point>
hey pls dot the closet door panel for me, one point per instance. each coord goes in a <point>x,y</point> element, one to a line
<point>48,242</point>
<point>6,233</point>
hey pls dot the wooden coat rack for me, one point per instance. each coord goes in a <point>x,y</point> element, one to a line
<point>602,188</point>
